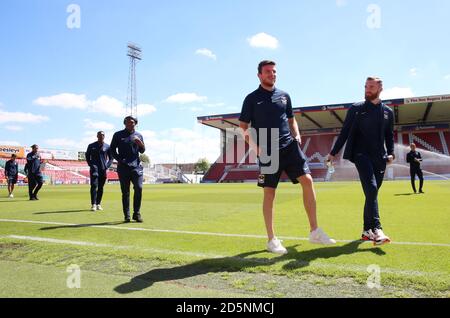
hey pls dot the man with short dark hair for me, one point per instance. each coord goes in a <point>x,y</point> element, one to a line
<point>269,110</point>
<point>99,159</point>
<point>414,158</point>
<point>368,128</point>
<point>11,174</point>
<point>126,146</point>
<point>265,63</point>
<point>33,171</point>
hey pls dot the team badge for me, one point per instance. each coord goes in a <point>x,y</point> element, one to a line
<point>261,179</point>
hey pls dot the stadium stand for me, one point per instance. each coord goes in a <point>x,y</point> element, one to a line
<point>112,176</point>
<point>71,165</point>
<point>77,171</point>
<point>85,173</point>
<point>445,137</point>
<point>215,172</point>
<point>230,159</point>
<point>238,166</point>
<point>59,171</point>
<point>317,147</point>
<point>430,141</point>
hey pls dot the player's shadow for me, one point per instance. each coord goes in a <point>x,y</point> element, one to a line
<point>76,226</point>
<point>13,201</point>
<point>298,259</point>
<point>403,194</point>
<point>59,212</point>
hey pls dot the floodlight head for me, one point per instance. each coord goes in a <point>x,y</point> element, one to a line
<point>134,51</point>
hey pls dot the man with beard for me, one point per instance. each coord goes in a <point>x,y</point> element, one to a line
<point>368,127</point>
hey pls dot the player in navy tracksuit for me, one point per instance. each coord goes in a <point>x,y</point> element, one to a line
<point>126,146</point>
<point>414,158</point>
<point>99,159</point>
<point>11,174</point>
<point>33,171</point>
<point>368,127</point>
<point>269,109</point>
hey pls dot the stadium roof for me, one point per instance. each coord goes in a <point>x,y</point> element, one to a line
<point>427,110</point>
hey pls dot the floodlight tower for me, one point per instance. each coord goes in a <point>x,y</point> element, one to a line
<point>135,54</point>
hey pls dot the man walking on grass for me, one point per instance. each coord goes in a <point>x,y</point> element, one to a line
<point>11,174</point>
<point>99,159</point>
<point>368,131</point>
<point>33,171</point>
<point>268,111</point>
<point>126,146</point>
<point>414,158</point>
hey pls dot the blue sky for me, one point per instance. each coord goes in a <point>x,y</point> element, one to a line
<point>59,85</point>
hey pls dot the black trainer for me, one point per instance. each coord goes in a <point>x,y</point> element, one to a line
<point>137,217</point>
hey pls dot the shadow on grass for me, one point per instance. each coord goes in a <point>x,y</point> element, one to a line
<point>403,194</point>
<point>68,211</point>
<point>298,259</point>
<point>13,200</point>
<point>76,226</point>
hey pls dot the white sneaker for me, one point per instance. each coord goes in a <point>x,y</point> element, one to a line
<point>380,237</point>
<point>368,236</point>
<point>99,207</point>
<point>320,237</point>
<point>275,246</point>
<point>94,207</point>
<point>11,196</point>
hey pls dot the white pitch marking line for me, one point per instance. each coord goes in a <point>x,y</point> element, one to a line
<point>354,268</point>
<point>90,244</point>
<point>206,233</point>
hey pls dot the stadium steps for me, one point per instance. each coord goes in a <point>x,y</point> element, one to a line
<point>425,144</point>
<point>444,142</point>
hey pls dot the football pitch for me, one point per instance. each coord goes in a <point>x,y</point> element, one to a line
<point>209,241</point>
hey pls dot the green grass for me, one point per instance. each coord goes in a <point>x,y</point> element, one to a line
<point>168,264</point>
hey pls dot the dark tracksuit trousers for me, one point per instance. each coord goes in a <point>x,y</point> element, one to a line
<point>129,175</point>
<point>368,131</point>
<point>371,174</point>
<point>416,171</point>
<point>97,183</point>
<point>35,182</point>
